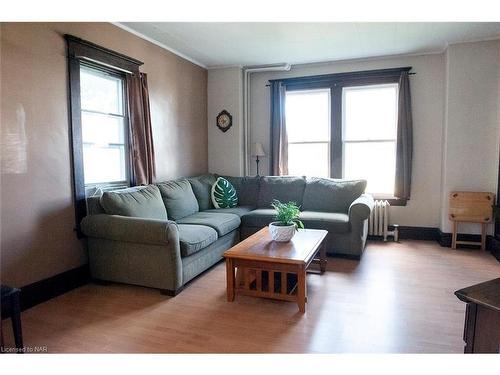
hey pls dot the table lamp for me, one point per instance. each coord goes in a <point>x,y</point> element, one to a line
<point>258,151</point>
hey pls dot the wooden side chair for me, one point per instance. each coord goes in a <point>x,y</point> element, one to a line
<point>471,207</point>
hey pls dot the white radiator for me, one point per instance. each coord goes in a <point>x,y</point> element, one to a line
<point>378,223</point>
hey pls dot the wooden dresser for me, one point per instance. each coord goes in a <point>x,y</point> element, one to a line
<point>482,317</point>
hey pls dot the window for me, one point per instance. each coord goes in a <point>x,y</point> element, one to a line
<point>104,128</point>
<point>345,125</point>
<point>99,125</point>
<point>308,132</point>
<point>369,128</point>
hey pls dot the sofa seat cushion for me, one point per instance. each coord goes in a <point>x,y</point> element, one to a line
<point>193,238</point>
<point>222,223</point>
<point>260,217</point>
<point>323,194</point>
<point>179,198</point>
<point>283,188</point>
<point>330,221</point>
<point>139,201</point>
<point>238,210</point>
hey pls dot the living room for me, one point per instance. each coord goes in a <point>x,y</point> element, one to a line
<point>152,170</point>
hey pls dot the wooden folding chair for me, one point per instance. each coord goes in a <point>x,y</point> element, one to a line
<point>471,207</point>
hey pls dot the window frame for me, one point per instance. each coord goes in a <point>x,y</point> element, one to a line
<point>336,82</point>
<point>80,52</point>
<point>330,114</point>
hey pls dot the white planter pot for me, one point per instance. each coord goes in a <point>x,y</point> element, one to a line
<point>281,233</point>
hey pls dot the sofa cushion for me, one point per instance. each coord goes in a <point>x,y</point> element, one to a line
<point>179,198</point>
<point>224,194</point>
<point>193,238</point>
<point>202,186</point>
<point>247,189</point>
<point>94,206</point>
<point>139,201</point>
<point>238,210</point>
<point>260,217</point>
<point>222,223</point>
<point>331,221</point>
<point>283,188</point>
<point>328,195</point>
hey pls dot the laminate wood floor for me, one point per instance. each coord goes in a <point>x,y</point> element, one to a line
<point>398,298</point>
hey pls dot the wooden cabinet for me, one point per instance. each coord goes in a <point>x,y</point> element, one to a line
<point>482,317</point>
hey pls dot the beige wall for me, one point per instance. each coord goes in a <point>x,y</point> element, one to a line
<point>472,125</point>
<point>225,153</point>
<point>37,215</point>
<point>427,88</point>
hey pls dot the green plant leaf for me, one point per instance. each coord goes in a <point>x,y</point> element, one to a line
<point>287,213</point>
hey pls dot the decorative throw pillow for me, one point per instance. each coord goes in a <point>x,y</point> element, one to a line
<point>224,194</point>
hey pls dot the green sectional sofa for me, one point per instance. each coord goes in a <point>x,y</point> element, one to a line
<point>164,235</point>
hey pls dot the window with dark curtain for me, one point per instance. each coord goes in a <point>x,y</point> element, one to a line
<point>110,122</point>
<point>369,129</point>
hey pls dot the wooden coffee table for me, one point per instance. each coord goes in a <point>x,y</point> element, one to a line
<point>271,269</point>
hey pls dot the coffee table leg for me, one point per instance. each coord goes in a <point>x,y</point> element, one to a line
<point>230,279</point>
<point>322,258</point>
<point>301,289</point>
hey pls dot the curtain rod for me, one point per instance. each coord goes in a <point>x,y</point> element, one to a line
<point>344,76</point>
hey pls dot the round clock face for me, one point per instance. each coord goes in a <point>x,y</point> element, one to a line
<point>223,120</point>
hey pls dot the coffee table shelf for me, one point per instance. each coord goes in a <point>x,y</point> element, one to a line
<point>266,283</point>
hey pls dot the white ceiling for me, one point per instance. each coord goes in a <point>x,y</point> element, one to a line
<point>214,44</point>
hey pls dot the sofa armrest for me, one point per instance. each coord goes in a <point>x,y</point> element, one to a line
<point>361,208</point>
<point>130,229</point>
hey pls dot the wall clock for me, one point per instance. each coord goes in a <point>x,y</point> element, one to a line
<point>224,121</point>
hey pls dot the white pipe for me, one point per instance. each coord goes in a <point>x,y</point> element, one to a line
<point>246,105</point>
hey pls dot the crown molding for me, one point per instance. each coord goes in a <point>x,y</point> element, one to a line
<point>474,40</point>
<point>228,66</point>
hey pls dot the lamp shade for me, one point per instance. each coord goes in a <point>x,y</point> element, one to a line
<point>258,149</point>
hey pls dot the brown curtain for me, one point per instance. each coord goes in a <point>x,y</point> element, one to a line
<point>142,151</point>
<point>279,140</point>
<point>404,142</point>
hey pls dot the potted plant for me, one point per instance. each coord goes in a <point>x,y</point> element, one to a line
<point>287,221</point>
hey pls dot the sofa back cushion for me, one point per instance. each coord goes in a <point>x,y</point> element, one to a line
<point>139,201</point>
<point>202,186</point>
<point>329,195</point>
<point>94,205</point>
<point>179,198</point>
<point>283,188</point>
<point>247,189</point>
